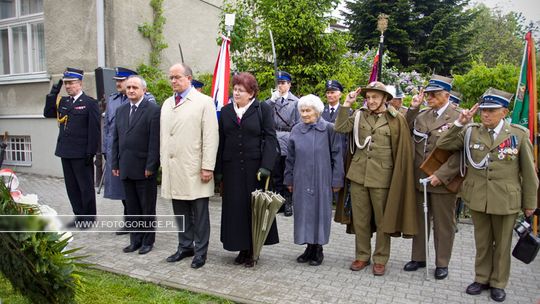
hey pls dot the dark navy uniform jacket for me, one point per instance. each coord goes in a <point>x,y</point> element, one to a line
<point>79,135</point>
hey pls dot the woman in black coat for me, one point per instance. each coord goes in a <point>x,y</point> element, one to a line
<point>247,151</point>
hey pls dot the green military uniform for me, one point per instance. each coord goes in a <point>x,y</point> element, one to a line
<point>427,127</point>
<point>500,180</point>
<point>375,183</point>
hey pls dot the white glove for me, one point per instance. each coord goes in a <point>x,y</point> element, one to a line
<point>275,95</point>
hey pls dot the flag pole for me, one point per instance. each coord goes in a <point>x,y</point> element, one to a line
<point>382,25</point>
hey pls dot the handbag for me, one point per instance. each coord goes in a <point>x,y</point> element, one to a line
<point>526,248</point>
<point>434,161</point>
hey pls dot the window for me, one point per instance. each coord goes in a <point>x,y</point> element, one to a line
<point>22,39</point>
<point>18,151</point>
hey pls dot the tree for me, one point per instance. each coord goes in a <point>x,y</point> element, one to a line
<point>497,38</point>
<point>424,35</point>
<point>304,45</point>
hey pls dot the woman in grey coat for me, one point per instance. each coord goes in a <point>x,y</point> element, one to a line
<point>314,169</point>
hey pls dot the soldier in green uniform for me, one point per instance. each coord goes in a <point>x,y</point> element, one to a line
<point>501,180</point>
<point>381,174</point>
<point>427,125</point>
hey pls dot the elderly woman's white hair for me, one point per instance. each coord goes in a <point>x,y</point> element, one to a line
<point>311,101</point>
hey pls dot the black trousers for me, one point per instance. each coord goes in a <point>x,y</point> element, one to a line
<point>79,180</point>
<point>197,225</point>
<point>278,175</point>
<point>141,198</point>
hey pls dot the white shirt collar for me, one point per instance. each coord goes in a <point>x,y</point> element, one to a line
<point>77,96</point>
<point>138,102</point>
<point>441,110</point>
<point>498,128</point>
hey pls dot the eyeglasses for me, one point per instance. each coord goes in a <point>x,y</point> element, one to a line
<point>176,77</point>
<point>432,94</point>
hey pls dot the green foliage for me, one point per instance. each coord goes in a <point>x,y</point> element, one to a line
<point>205,78</point>
<point>103,287</point>
<point>497,38</point>
<point>303,45</point>
<point>480,77</point>
<point>154,32</point>
<point>37,264</point>
<point>156,81</point>
<point>422,35</point>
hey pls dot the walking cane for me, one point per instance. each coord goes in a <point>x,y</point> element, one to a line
<point>425,181</point>
<point>102,176</point>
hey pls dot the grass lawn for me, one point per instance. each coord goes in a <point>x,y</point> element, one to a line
<point>105,287</point>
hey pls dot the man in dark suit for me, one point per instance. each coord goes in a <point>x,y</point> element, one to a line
<point>334,90</point>
<point>135,158</point>
<point>78,138</point>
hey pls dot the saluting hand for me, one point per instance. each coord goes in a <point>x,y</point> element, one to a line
<point>466,115</point>
<point>351,97</point>
<point>417,99</point>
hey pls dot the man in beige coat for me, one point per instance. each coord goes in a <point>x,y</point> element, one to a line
<point>501,179</point>
<point>189,143</point>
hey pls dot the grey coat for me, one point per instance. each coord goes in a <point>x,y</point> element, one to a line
<point>113,185</point>
<point>285,115</point>
<point>314,165</point>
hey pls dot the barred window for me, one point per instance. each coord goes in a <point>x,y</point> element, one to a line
<point>18,151</point>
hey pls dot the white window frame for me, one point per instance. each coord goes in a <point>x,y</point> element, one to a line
<point>12,142</point>
<point>17,21</point>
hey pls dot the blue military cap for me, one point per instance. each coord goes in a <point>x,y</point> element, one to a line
<point>399,92</point>
<point>73,74</point>
<point>284,76</point>
<point>334,85</point>
<point>455,97</point>
<point>123,73</point>
<point>493,99</point>
<point>439,83</point>
<point>197,84</point>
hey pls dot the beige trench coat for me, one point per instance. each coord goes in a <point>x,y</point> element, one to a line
<point>189,143</point>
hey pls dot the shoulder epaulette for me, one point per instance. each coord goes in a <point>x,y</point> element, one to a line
<point>522,128</point>
<point>392,111</point>
<point>472,124</point>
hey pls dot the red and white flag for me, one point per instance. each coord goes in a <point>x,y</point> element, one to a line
<point>222,74</point>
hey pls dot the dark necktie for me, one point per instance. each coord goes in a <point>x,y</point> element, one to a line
<point>282,100</point>
<point>71,99</point>
<point>177,100</point>
<point>491,135</point>
<point>132,113</point>
<point>331,113</point>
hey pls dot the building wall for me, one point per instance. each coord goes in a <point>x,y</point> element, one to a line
<point>71,41</point>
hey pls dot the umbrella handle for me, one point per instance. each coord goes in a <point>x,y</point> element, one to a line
<point>266,184</point>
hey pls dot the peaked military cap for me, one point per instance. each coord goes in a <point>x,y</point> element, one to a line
<point>439,83</point>
<point>123,73</point>
<point>73,74</point>
<point>399,93</point>
<point>376,86</point>
<point>493,99</point>
<point>334,85</point>
<point>284,76</point>
<point>197,84</point>
<point>455,97</point>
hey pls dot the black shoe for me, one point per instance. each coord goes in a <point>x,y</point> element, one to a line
<point>497,294</point>
<point>179,255</point>
<point>288,209</point>
<point>145,249</point>
<point>441,273</point>
<point>131,248</point>
<point>198,261</point>
<point>476,288</point>
<point>414,265</point>
<point>241,258</point>
<point>306,256</point>
<point>318,256</point>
